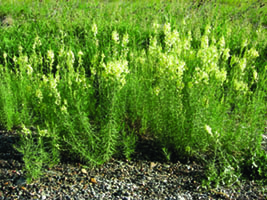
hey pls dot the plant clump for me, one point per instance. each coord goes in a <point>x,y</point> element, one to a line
<point>195,82</point>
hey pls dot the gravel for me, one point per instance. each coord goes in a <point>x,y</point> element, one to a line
<point>146,176</point>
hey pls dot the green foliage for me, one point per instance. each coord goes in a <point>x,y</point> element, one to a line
<point>39,151</point>
<point>93,77</point>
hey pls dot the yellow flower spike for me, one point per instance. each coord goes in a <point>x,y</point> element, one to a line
<point>80,53</point>
<point>220,74</point>
<point>61,52</point>
<point>157,90</point>
<point>50,55</point>
<point>45,79</point>
<point>58,67</point>
<point>243,64</point>
<point>207,29</point>
<point>156,27</point>
<point>172,39</point>
<point>125,40</point>
<point>226,54</point>
<point>255,75</point>
<point>222,43</point>
<point>94,29</point>
<point>240,86</point>
<point>25,130</point>
<point>23,59</point>
<point>20,50</point>
<point>204,42</point>
<point>71,56</point>
<point>153,47</point>
<point>39,95</point>
<point>167,28</point>
<point>253,53</point>
<point>63,109</point>
<point>58,98</point>
<point>63,34</point>
<point>208,129</point>
<point>123,81</point>
<point>15,59</point>
<point>43,133</point>
<point>37,42</point>
<point>115,37</point>
<point>190,36</point>
<point>29,69</point>
<point>5,55</point>
<point>244,43</point>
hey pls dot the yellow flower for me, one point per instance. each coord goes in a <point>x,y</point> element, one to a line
<point>207,29</point>
<point>240,86</point>
<point>208,129</point>
<point>253,53</point>
<point>244,43</point>
<point>37,42</point>
<point>255,75</point>
<point>226,53</point>
<point>43,133</point>
<point>63,109</point>
<point>29,69</point>
<point>204,42</point>
<point>80,53</point>
<point>20,50</point>
<point>71,56</point>
<point>25,130</point>
<point>5,55</point>
<point>15,59</point>
<point>39,94</point>
<point>167,28</point>
<point>50,55</point>
<point>125,40</point>
<point>115,36</point>
<point>94,29</point>
<point>242,64</point>
<point>156,26</point>
<point>157,90</point>
<point>222,42</point>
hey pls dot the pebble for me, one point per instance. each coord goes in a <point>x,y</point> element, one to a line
<point>116,179</point>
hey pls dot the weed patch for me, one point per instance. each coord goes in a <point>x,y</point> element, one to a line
<point>92,78</point>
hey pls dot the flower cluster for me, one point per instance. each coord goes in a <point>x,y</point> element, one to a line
<point>215,135</point>
<point>252,53</point>
<point>50,57</point>
<point>115,37</point>
<point>171,68</point>
<point>172,38</point>
<point>201,76</point>
<point>154,48</point>
<point>242,64</point>
<point>51,83</point>
<point>37,43</point>
<point>26,131</point>
<point>117,70</point>
<point>239,85</point>
<point>209,56</point>
<point>94,29</point>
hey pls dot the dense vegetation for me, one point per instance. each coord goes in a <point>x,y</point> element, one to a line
<point>86,79</point>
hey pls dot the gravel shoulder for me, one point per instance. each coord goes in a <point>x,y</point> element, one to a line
<point>144,177</point>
